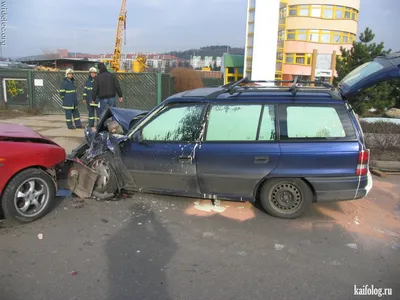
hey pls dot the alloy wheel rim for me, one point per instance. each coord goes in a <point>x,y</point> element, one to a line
<point>31,197</point>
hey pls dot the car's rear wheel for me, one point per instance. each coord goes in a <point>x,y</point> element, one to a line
<point>29,195</point>
<point>107,181</point>
<point>286,198</point>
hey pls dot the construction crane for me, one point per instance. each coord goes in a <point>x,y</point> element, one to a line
<point>138,65</point>
<point>115,62</point>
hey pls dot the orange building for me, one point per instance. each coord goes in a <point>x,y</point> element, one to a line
<point>304,26</point>
<point>310,25</point>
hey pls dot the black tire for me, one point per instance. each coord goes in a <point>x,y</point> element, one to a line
<point>286,198</point>
<point>13,205</point>
<point>102,164</point>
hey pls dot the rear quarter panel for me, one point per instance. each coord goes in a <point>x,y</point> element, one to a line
<point>17,156</point>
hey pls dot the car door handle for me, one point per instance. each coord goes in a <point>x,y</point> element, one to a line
<point>185,159</point>
<point>261,159</point>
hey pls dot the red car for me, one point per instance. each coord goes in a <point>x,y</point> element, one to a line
<point>27,172</point>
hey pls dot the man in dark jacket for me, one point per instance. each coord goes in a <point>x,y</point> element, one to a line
<point>105,86</point>
<point>70,100</point>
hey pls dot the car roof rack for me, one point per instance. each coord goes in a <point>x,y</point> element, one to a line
<point>295,87</point>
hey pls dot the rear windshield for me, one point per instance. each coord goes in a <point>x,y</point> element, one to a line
<point>360,73</point>
<point>319,122</point>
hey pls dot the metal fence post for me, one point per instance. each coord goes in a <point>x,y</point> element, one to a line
<point>159,88</point>
<point>30,88</point>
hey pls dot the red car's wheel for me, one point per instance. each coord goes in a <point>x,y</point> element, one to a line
<point>29,195</point>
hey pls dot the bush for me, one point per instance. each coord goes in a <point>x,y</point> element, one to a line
<point>186,79</point>
<point>383,139</point>
<point>381,127</point>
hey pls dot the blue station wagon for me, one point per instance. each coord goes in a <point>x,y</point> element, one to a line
<point>286,146</point>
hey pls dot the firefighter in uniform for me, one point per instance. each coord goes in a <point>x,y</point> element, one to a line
<point>70,100</point>
<point>92,106</point>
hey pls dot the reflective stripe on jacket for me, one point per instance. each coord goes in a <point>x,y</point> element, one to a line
<point>68,93</point>
<point>88,92</point>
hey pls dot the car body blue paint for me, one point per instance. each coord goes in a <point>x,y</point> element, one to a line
<point>236,170</point>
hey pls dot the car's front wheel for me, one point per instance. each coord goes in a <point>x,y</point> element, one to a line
<point>29,195</point>
<point>106,182</point>
<point>286,198</point>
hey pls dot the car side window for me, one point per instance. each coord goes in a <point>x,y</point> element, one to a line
<point>235,123</point>
<point>175,124</point>
<point>267,126</point>
<point>314,122</point>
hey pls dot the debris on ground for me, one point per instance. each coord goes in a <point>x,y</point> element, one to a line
<point>40,236</point>
<point>352,246</point>
<point>279,247</point>
<point>74,273</point>
<point>78,203</point>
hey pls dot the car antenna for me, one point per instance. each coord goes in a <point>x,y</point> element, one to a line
<point>293,88</point>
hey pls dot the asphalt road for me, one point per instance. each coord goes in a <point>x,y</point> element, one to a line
<point>154,247</point>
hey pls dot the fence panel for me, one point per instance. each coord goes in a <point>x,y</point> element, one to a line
<point>47,91</point>
<point>167,86</point>
<point>139,90</point>
<point>211,82</point>
<point>15,89</point>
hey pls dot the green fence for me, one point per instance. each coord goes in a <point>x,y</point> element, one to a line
<point>39,89</point>
<point>211,82</point>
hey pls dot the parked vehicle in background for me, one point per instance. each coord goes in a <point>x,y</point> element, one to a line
<point>286,146</point>
<point>28,163</point>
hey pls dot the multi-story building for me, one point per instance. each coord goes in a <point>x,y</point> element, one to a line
<point>300,27</point>
<point>198,62</point>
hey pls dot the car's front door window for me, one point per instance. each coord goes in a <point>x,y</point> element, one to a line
<point>175,124</point>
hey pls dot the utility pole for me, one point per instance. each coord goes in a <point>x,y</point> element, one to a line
<point>333,66</point>
<point>314,64</point>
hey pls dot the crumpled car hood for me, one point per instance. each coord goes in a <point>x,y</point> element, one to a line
<point>125,116</point>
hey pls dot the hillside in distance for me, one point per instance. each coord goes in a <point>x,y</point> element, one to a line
<point>215,51</point>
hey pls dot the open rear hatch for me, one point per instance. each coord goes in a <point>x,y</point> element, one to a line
<point>382,68</point>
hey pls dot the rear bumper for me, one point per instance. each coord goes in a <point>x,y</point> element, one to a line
<point>331,189</point>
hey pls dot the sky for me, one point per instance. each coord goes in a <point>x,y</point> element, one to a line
<point>89,26</point>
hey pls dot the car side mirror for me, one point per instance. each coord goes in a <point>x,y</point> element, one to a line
<point>138,137</point>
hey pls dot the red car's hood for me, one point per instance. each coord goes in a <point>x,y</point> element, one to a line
<point>21,133</point>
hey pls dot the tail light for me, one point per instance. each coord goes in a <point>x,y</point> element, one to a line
<point>363,163</point>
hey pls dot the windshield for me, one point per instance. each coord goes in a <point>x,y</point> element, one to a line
<point>361,73</point>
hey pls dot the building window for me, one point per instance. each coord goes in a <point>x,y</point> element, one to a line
<point>314,36</point>
<point>291,35</point>
<point>316,11</point>
<point>293,11</point>
<point>289,58</point>
<point>324,11</point>
<point>303,10</point>
<point>251,27</point>
<point>298,58</point>
<point>339,12</point>
<point>336,37</point>
<point>321,36</point>
<point>302,35</point>
<point>325,37</point>
<point>328,12</point>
